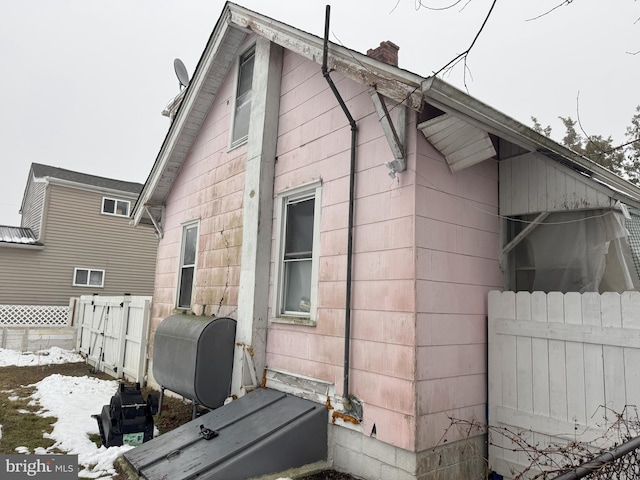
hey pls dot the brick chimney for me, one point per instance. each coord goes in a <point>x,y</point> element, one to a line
<point>387,52</point>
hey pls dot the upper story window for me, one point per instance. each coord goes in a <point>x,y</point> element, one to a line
<point>187,265</point>
<point>298,250</point>
<point>88,277</point>
<point>242,111</point>
<point>112,206</point>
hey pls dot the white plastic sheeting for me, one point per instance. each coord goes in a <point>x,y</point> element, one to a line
<point>578,251</point>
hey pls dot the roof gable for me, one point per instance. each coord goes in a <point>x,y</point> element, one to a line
<point>402,86</point>
<point>231,29</point>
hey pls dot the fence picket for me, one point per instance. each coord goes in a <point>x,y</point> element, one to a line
<point>559,359</point>
<point>576,409</point>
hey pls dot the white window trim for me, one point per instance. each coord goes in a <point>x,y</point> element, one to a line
<point>241,141</point>
<point>116,200</point>
<point>315,189</point>
<point>89,270</point>
<point>184,227</point>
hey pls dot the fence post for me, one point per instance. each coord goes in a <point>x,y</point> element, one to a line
<point>122,340</point>
<point>144,342</point>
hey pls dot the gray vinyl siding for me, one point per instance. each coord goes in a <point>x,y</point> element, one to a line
<point>78,235</point>
<point>33,206</point>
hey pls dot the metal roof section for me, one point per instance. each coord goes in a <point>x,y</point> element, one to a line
<point>264,432</point>
<point>46,171</point>
<point>461,143</point>
<point>18,236</point>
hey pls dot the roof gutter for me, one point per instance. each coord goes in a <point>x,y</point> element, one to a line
<point>447,98</point>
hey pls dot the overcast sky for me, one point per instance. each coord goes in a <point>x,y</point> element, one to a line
<point>83,82</point>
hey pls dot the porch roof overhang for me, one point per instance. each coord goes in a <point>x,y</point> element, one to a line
<point>231,29</point>
<point>485,120</point>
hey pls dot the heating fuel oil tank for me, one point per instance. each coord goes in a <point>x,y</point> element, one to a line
<point>193,357</point>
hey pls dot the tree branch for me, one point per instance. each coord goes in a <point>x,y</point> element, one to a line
<point>564,3</point>
<point>464,54</point>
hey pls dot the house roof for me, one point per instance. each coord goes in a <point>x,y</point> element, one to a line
<point>17,236</point>
<point>46,171</point>
<point>400,85</point>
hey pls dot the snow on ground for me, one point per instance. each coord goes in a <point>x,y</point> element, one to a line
<point>53,355</point>
<point>72,400</point>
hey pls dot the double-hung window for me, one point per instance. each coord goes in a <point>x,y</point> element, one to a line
<point>297,243</point>
<point>187,265</point>
<point>242,111</point>
<point>88,277</point>
<point>112,206</point>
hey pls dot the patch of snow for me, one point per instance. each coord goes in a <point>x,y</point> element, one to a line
<point>72,400</point>
<point>50,356</point>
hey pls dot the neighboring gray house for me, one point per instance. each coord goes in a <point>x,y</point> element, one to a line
<point>75,239</point>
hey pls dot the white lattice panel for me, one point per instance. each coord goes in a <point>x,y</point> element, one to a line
<point>37,315</point>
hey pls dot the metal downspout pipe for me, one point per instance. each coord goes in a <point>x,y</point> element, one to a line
<point>352,175</point>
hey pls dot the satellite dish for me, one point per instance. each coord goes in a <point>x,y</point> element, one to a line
<point>181,72</point>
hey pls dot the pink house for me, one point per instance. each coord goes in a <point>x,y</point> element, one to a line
<point>351,219</point>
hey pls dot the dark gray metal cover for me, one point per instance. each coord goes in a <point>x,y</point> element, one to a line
<point>193,356</point>
<point>264,432</point>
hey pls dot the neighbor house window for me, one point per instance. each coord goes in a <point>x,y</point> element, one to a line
<point>88,277</point>
<point>112,206</point>
<point>242,110</point>
<point>187,264</point>
<point>297,245</point>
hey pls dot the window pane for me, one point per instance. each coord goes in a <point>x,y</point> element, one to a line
<point>81,277</point>
<point>95,278</point>
<point>245,78</point>
<point>108,205</point>
<point>297,283</point>
<point>190,240</point>
<point>186,285</point>
<point>241,119</point>
<point>122,208</point>
<point>243,98</point>
<point>299,234</point>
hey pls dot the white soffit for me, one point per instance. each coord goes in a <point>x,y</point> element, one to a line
<point>461,143</point>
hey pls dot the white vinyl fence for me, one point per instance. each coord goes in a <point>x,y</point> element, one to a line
<point>560,365</point>
<point>113,334</point>
<point>30,328</point>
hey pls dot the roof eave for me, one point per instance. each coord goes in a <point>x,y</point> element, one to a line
<point>448,98</point>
